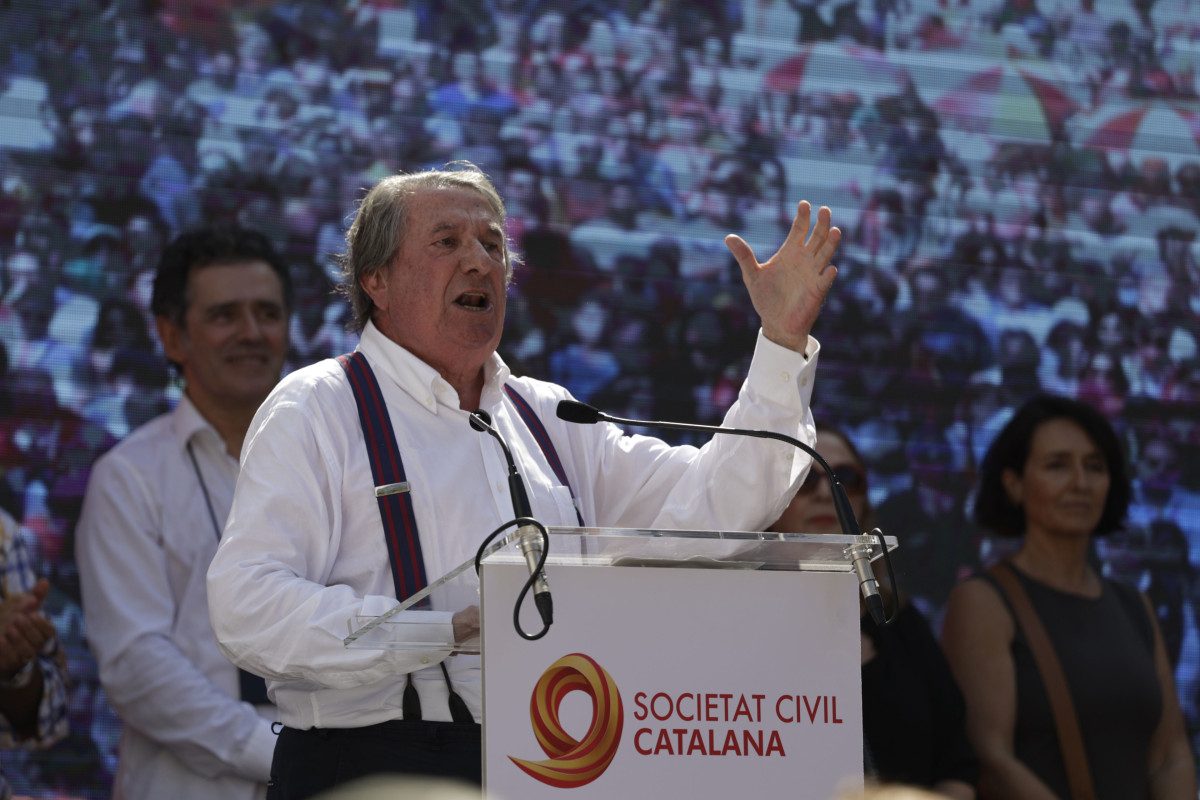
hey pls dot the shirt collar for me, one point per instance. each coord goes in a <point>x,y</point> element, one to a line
<point>190,424</point>
<point>419,380</point>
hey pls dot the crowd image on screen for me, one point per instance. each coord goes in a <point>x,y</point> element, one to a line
<point>1017,181</point>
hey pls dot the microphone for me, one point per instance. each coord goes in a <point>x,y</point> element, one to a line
<point>583,414</point>
<point>530,538</point>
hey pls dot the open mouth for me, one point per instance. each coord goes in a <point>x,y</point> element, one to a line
<point>473,301</point>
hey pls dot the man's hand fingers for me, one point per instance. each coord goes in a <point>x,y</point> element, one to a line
<point>825,280</point>
<point>466,624</point>
<point>820,232</point>
<point>742,253</point>
<point>10,662</point>
<point>34,631</point>
<point>29,603</point>
<point>41,590</point>
<point>43,631</point>
<point>801,222</point>
<point>22,648</point>
<point>23,641</point>
<point>829,246</point>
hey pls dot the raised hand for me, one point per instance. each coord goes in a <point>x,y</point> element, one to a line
<point>788,289</point>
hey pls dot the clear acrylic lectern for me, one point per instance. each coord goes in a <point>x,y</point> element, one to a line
<point>421,622</point>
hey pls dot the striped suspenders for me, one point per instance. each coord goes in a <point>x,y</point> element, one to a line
<point>387,470</point>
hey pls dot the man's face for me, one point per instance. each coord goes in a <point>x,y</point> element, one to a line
<point>234,338</point>
<point>442,297</point>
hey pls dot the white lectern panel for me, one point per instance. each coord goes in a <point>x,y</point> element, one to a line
<point>673,682</point>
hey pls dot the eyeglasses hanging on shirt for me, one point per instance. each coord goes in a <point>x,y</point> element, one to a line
<point>252,688</point>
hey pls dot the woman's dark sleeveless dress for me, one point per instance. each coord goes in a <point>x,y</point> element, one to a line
<point>1106,648</point>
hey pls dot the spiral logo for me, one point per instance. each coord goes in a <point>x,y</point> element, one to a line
<point>574,763</point>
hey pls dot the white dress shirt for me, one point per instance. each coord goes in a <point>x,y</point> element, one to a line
<point>144,543</point>
<point>304,551</point>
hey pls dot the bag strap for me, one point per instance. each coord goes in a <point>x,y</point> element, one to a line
<point>1066,722</point>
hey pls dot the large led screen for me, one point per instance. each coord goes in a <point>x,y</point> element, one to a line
<point>1017,182</point>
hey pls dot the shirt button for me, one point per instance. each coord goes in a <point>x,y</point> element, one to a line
<point>429,402</point>
<point>804,381</point>
<point>499,487</point>
<point>424,659</point>
<point>785,377</point>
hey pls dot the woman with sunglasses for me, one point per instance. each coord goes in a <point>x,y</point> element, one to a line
<point>913,713</point>
<point>1056,477</point>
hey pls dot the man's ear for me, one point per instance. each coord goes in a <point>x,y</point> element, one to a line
<point>375,285</point>
<point>1013,487</point>
<point>173,339</point>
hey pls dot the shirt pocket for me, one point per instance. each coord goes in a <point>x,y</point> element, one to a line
<point>564,505</point>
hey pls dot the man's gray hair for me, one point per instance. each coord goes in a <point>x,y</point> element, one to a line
<point>379,226</point>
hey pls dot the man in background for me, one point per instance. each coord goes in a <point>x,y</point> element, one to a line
<point>196,728</point>
<point>33,670</point>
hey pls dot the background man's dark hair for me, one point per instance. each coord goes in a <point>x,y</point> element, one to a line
<point>207,247</point>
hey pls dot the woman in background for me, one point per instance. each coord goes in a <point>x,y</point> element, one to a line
<point>1056,476</point>
<point>913,713</point>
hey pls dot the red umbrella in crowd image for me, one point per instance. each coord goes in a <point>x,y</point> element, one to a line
<point>1009,101</point>
<point>837,68</point>
<point>1169,130</point>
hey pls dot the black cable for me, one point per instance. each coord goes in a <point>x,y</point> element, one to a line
<point>887,562</point>
<point>533,576</point>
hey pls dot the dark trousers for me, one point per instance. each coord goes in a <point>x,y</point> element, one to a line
<point>311,761</point>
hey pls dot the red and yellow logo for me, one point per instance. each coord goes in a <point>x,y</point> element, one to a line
<point>574,763</point>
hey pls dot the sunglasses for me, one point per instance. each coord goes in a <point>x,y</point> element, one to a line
<point>852,479</point>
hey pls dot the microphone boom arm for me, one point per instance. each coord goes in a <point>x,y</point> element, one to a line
<point>534,542</point>
<point>574,411</point>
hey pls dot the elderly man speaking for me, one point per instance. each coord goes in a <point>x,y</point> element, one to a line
<point>307,547</point>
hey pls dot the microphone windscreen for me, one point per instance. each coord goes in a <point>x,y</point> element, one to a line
<point>574,411</point>
<point>480,420</point>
